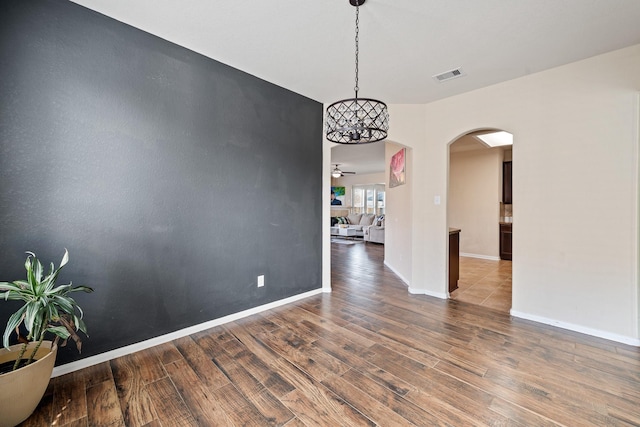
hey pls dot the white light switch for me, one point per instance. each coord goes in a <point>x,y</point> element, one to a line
<point>436,200</point>
<point>261,280</point>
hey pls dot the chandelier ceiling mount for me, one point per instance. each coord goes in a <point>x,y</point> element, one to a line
<point>357,120</point>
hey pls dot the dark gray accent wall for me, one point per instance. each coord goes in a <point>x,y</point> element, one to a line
<point>172,179</point>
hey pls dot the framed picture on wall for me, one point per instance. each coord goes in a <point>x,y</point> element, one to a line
<point>337,196</point>
<point>397,169</point>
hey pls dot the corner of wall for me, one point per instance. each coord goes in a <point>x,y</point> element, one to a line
<point>398,217</point>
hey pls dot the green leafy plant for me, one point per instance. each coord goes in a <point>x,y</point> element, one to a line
<point>47,307</point>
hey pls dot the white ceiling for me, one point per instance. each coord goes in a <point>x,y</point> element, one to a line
<point>362,159</point>
<point>308,46</point>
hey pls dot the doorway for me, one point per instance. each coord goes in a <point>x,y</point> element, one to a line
<point>358,182</point>
<point>478,205</point>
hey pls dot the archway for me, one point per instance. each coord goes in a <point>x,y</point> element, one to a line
<point>480,203</point>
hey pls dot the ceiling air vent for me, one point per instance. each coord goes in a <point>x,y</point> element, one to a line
<point>448,75</point>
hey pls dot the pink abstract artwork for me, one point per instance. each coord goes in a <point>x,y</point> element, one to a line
<point>397,169</point>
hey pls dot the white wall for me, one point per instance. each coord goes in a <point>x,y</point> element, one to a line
<point>326,215</point>
<point>475,192</point>
<point>400,225</point>
<point>398,217</point>
<point>575,188</point>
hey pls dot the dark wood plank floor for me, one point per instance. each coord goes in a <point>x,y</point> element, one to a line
<point>367,354</point>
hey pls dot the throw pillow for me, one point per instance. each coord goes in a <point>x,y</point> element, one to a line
<point>367,219</point>
<point>354,219</point>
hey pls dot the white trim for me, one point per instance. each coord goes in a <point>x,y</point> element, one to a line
<point>405,281</point>
<point>123,351</point>
<point>636,210</point>
<point>416,291</point>
<point>577,328</point>
<point>489,257</point>
<point>326,215</point>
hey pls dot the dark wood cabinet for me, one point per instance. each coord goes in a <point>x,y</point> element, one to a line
<point>507,173</point>
<point>506,233</point>
<point>454,258</point>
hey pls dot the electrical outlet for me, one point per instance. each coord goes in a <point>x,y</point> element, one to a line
<point>261,280</point>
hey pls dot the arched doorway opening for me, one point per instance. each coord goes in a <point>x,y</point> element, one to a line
<point>480,204</point>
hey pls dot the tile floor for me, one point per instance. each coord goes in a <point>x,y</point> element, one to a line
<point>484,282</point>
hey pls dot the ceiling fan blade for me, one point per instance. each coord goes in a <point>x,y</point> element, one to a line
<point>337,171</point>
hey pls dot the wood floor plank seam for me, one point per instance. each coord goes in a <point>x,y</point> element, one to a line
<point>368,353</point>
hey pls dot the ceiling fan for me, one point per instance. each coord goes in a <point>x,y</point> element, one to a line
<point>337,173</point>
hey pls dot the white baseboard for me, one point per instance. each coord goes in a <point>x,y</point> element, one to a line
<point>577,328</point>
<point>123,351</point>
<point>390,267</point>
<point>489,257</point>
<point>416,291</point>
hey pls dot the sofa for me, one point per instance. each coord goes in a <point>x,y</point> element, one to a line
<point>374,233</point>
<point>355,222</point>
<point>361,223</point>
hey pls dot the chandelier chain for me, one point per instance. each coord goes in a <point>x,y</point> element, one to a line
<point>356,88</point>
<point>354,120</point>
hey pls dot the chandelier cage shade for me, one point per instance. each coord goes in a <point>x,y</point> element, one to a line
<point>357,120</point>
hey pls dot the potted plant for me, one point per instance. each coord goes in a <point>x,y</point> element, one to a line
<point>47,309</point>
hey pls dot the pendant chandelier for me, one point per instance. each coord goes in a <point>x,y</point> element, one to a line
<point>357,120</point>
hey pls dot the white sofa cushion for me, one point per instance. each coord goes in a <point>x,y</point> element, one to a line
<point>367,219</point>
<point>354,219</point>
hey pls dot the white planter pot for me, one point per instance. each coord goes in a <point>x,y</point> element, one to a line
<point>22,390</point>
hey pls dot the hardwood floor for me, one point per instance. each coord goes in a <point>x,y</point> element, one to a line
<point>484,282</point>
<point>367,354</point>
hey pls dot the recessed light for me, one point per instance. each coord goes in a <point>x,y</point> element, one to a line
<point>496,139</point>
